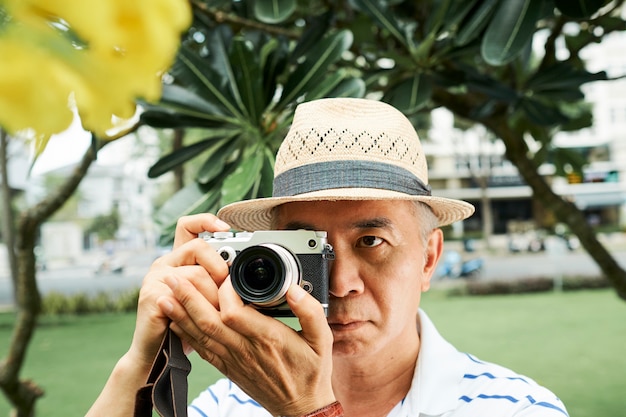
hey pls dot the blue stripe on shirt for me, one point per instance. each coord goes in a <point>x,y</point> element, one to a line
<point>488,397</point>
<point>198,410</point>
<point>474,359</point>
<point>492,376</point>
<point>231,395</point>
<point>546,404</point>
<point>513,400</point>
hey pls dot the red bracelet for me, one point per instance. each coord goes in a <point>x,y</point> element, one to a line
<point>332,410</point>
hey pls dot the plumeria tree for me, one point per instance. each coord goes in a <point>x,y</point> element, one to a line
<point>245,64</point>
<point>64,59</point>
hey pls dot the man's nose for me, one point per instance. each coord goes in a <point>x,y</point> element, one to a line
<point>345,278</point>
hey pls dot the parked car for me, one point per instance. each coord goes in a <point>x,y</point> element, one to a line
<point>531,241</point>
<point>452,265</point>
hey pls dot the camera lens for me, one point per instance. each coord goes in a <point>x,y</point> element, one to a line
<point>262,274</point>
<point>259,273</point>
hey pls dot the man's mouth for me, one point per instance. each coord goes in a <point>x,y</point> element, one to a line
<point>347,325</point>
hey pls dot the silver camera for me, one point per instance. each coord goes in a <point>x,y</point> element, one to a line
<point>264,264</point>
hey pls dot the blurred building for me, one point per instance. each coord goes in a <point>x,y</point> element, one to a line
<point>116,182</point>
<point>471,165</point>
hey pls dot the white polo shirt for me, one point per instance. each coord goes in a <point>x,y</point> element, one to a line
<point>446,383</point>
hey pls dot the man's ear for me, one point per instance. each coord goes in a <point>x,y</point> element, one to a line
<point>434,248</point>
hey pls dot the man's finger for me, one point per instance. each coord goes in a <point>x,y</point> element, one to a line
<point>242,318</point>
<point>196,252</point>
<point>188,227</point>
<point>310,314</point>
<point>198,320</point>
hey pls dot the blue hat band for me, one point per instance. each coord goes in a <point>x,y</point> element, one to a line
<point>348,174</point>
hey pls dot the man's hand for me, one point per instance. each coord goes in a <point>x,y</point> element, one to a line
<point>287,372</point>
<point>191,260</point>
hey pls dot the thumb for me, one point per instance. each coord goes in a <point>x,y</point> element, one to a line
<point>312,318</point>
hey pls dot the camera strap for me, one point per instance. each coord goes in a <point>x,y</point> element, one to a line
<point>166,387</point>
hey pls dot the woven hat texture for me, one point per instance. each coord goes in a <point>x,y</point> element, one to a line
<point>346,149</point>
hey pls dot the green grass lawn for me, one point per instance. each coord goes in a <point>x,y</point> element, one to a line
<point>574,343</point>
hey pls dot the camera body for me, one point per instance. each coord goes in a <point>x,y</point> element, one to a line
<point>264,264</point>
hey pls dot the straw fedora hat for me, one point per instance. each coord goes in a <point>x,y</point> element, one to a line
<point>346,149</point>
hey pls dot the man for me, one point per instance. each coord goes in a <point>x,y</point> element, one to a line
<point>355,169</point>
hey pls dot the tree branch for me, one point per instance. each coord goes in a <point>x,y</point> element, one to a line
<point>549,56</point>
<point>222,17</point>
<point>8,224</point>
<point>23,394</point>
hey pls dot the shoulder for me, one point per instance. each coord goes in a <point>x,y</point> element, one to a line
<point>225,399</point>
<point>490,389</point>
<point>451,383</point>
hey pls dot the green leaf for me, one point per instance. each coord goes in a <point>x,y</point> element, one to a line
<point>323,88</point>
<point>207,83</point>
<point>382,16</point>
<point>215,163</point>
<point>409,95</point>
<point>266,179</point>
<point>579,9</point>
<point>175,95</point>
<point>237,184</point>
<point>220,43</point>
<point>484,110</point>
<point>217,44</point>
<point>274,56</point>
<point>561,82</point>
<point>611,23</point>
<point>169,118</point>
<point>247,73</point>
<point>178,157</point>
<point>561,157</point>
<point>542,114</point>
<point>316,28</point>
<point>194,198</point>
<point>456,13</point>
<point>561,95</point>
<point>314,67</point>
<point>485,84</point>
<point>562,76</point>
<point>350,87</point>
<point>509,31</point>
<point>578,122</point>
<point>273,11</point>
<point>181,107</point>
<point>475,22</point>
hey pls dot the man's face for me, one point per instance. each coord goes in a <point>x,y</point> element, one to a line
<point>380,269</point>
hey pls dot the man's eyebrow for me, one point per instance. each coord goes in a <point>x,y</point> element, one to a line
<point>374,223</point>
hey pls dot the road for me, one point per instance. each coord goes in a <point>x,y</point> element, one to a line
<point>83,279</point>
<point>541,264</point>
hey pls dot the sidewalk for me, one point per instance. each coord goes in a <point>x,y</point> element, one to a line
<point>499,244</point>
<point>132,259</point>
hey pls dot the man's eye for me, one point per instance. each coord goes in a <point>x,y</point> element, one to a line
<point>370,241</point>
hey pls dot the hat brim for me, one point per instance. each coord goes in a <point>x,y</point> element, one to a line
<point>253,215</point>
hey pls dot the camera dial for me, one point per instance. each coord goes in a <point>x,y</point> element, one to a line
<point>227,253</point>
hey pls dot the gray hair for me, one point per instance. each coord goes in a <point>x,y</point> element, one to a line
<point>428,219</point>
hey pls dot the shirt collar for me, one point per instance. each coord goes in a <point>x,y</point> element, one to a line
<point>435,386</point>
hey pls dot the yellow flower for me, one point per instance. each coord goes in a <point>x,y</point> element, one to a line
<point>97,56</point>
<point>29,97</point>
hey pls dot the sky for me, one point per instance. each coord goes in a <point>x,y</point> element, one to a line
<point>62,150</point>
<point>69,147</point>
